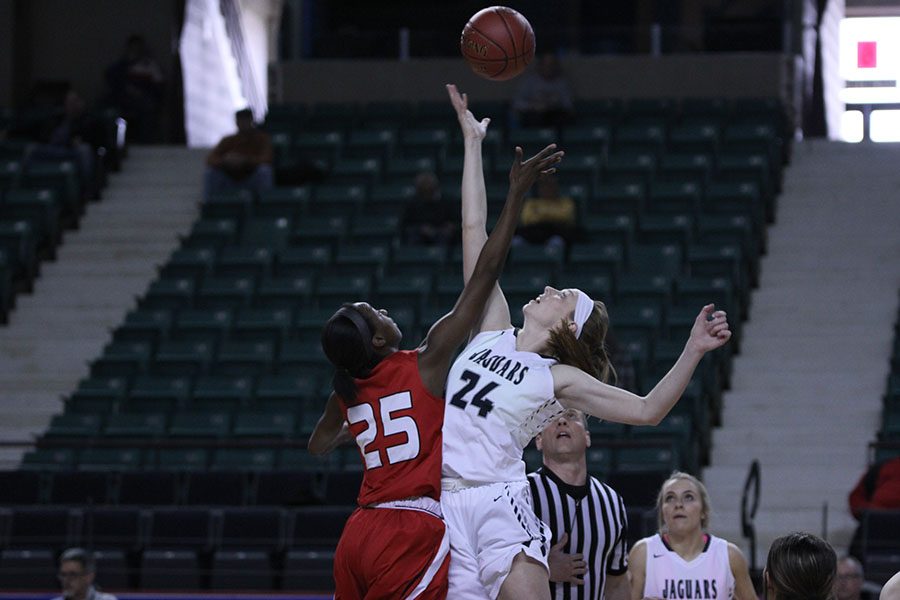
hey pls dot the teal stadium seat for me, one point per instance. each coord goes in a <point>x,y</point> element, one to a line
<point>202,325</point>
<point>210,425</point>
<point>212,233</point>
<point>152,394</point>
<point>217,393</point>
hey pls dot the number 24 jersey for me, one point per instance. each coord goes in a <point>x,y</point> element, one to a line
<point>498,399</point>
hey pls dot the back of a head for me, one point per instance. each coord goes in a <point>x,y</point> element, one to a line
<point>346,342</point>
<point>801,566</point>
<point>81,556</point>
<point>588,351</point>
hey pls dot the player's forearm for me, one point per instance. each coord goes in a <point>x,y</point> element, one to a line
<point>668,391</point>
<point>474,206</point>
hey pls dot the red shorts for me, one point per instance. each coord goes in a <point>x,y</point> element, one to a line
<point>392,554</point>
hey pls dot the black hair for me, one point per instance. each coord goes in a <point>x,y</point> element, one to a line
<point>347,342</point>
<point>244,113</point>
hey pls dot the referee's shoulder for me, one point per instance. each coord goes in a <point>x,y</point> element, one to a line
<point>603,487</point>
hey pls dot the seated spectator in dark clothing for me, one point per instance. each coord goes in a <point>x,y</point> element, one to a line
<point>70,136</point>
<point>240,161</point>
<point>544,98</point>
<point>549,218</point>
<point>878,488</point>
<point>427,220</point>
<point>137,88</point>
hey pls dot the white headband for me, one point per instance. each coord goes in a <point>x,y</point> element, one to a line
<point>583,310</point>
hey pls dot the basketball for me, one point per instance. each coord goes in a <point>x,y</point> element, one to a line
<point>498,43</point>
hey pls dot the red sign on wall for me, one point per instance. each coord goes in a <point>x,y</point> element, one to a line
<point>866,55</point>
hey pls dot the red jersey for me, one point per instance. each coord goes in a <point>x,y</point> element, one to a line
<point>397,425</point>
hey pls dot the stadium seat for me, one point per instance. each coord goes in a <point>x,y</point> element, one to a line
<point>49,459</point>
<point>309,570</point>
<point>184,359</point>
<point>282,293</point>
<point>168,294</point>
<point>270,232</point>
<point>290,202</point>
<point>264,425</point>
<point>189,263</point>
<point>375,230</point>
<point>110,459</point>
<point>213,233</point>
<point>244,459</point>
<point>217,488</point>
<point>250,539</point>
<point>613,198</point>
<point>318,231</point>
<point>152,488</point>
<point>228,205</point>
<point>135,425</point>
<point>286,488</point>
<point>263,325</point>
<point>149,326</point>
<point>221,393</point>
<point>27,569</point>
<point>246,262</point>
<point>183,459</point>
<point>337,200</point>
<point>197,325</point>
<point>248,359</point>
<point>177,542</point>
<point>157,394</point>
<point>200,425</point>
<point>21,487</point>
<point>74,425</point>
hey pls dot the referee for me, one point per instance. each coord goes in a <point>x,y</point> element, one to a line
<point>589,557</point>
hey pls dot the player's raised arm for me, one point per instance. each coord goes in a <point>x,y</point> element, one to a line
<point>474,209</point>
<point>453,329</point>
<point>576,389</point>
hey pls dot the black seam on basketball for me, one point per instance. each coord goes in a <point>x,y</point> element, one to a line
<point>511,37</point>
<point>487,39</point>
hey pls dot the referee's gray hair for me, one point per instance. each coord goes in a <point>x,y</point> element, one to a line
<point>705,504</point>
<point>79,555</point>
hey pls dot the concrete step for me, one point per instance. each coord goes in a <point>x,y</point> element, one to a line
<point>99,271</point>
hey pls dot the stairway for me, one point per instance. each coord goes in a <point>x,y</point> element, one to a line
<point>86,291</point>
<point>806,391</point>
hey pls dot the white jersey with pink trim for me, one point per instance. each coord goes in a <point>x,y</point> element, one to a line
<point>707,577</point>
<point>498,399</point>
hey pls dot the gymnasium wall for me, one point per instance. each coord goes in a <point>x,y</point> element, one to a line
<point>676,76</point>
<point>66,40</point>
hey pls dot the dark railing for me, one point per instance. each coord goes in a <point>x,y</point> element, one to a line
<point>749,505</point>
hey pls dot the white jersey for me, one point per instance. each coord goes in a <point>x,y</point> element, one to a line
<point>498,399</point>
<point>707,577</point>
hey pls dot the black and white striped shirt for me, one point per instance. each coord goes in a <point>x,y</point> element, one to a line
<point>594,517</point>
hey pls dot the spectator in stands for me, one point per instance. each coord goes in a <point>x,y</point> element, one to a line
<point>544,98</point>
<point>137,87</point>
<point>800,565</point>
<point>240,161</point>
<point>69,135</point>
<point>878,488</point>
<point>848,584</point>
<point>548,218</point>
<point>891,590</point>
<point>427,219</point>
<point>587,519</point>
<point>76,576</point>
<point>683,554</point>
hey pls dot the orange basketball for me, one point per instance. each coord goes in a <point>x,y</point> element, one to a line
<point>498,43</point>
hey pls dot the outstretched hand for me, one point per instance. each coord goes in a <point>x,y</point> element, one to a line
<point>472,128</point>
<point>523,174</point>
<point>710,330</point>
